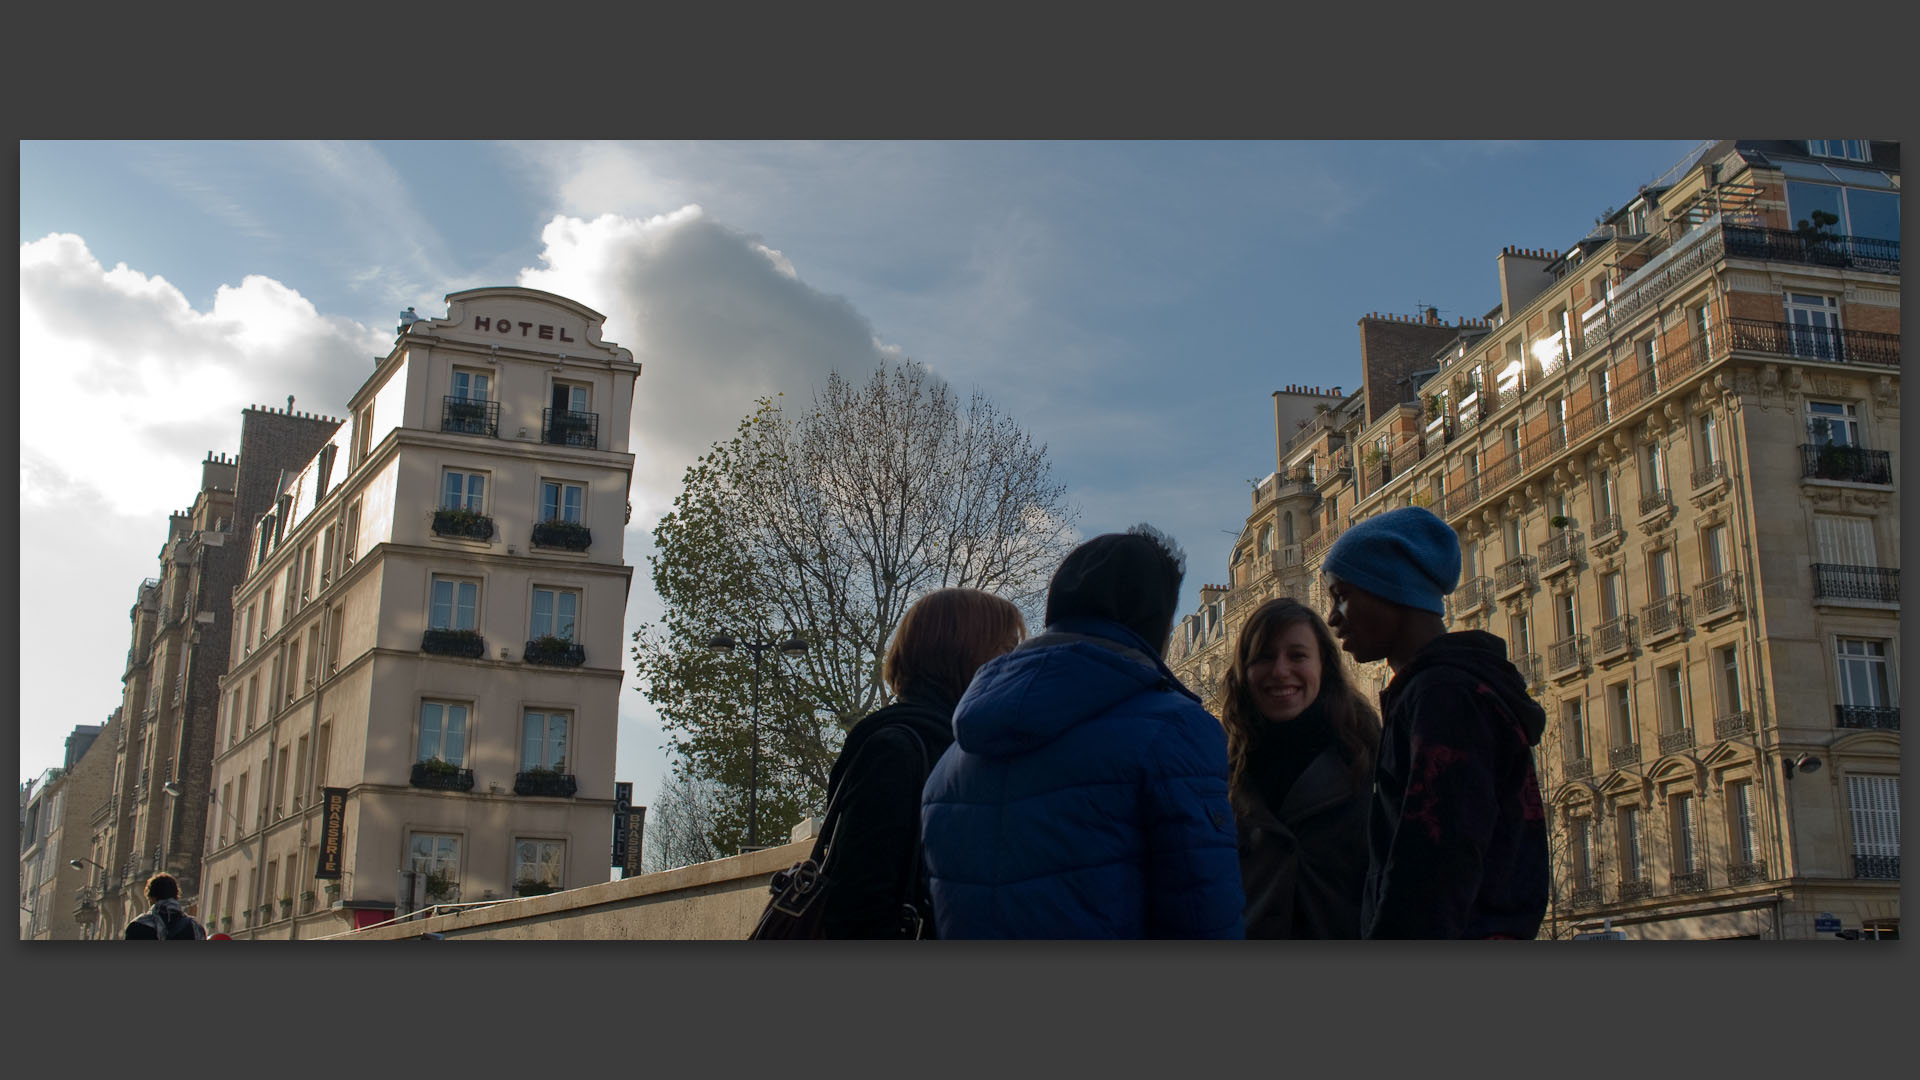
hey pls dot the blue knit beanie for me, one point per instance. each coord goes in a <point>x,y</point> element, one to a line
<point>1408,556</point>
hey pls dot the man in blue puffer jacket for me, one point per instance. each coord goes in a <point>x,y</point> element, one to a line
<point>1085,794</point>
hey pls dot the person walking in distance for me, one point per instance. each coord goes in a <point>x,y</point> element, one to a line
<point>165,921</point>
<point>1085,794</point>
<point>1457,841</point>
<point>1300,740</point>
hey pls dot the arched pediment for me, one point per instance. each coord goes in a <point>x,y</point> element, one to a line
<point>1868,741</point>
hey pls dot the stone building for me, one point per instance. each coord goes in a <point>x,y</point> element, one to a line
<point>1670,454</point>
<point>55,807</point>
<point>429,624</point>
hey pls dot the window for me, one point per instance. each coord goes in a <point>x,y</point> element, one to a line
<point>1631,866</point>
<point>1573,731</point>
<point>1700,318</point>
<point>301,767</point>
<point>435,859</point>
<point>289,888</point>
<point>1648,351</point>
<point>227,803</point>
<point>543,743</point>
<point>570,397</point>
<point>1620,714</point>
<point>1511,536</point>
<point>239,809</point>
<point>1715,558</point>
<point>1653,471</point>
<point>1613,594</point>
<point>1833,423</point>
<point>1814,323</point>
<point>280,786</point>
<point>1659,574</point>
<point>1605,503</point>
<point>1672,682</point>
<point>538,866</point>
<point>443,732</point>
<point>1742,840</point>
<point>455,604</point>
<point>1706,445</point>
<point>1580,851</point>
<point>266,613</point>
<point>326,554</point>
<point>1469,560</point>
<point>463,491</point>
<point>1726,664</point>
<point>362,435</point>
<point>350,539</point>
<point>1855,211</point>
<point>1601,407</point>
<point>561,501</point>
<point>1843,540</point>
<point>1680,811</point>
<point>246,630</point>
<point>1287,527</point>
<point>1522,631</point>
<point>1566,615</point>
<point>1874,803</point>
<point>1265,542</point>
<point>322,755</point>
<point>1850,149</point>
<point>253,701</point>
<point>306,574</point>
<point>1863,673</point>
<point>336,630</point>
<point>312,671</point>
<point>273,872</point>
<point>471,385</point>
<point>291,651</point>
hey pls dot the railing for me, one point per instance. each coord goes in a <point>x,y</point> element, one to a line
<point>1461,497</point>
<point>542,782</point>
<point>1728,725</point>
<point>1576,769</point>
<point>1613,637</point>
<point>440,776</point>
<point>1619,757</point>
<point>1716,595</point>
<point>1814,342</point>
<point>1708,473</point>
<point>466,643</point>
<point>1655,501</point>
<point>1879,584</point>
<point>1606,528</point>
<point>556,652</point>
<point>569,428</point>
<point>1586,896</point>
<point>1320,541</point>
<point>1852,463</point>
<point>1500,473</point>
<point>1690,882</point>
<point>1635,890</point>
<point>1672,742</point>
<point>569,535</point>
<point>1880,867</point>
<point>1560,550</point>
<point>469,417</point>
<point>1532,669</point>
<point>1591,417</point>
<point>462,523</point>
<point>1746,873</point>
<point>1472,594</point>
<point>1815,249</point>
<point>1567,654</point>
<point>1878,717</point>
<point>1664,617</point>
<point>1406,455</point>
<point>1513,574</point>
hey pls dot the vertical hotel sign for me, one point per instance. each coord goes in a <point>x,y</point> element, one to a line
<point>333,831</point>
<point>622,801</point>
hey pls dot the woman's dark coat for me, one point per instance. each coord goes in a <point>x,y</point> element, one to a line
<point>1304,863</point>
<point>877,780</point>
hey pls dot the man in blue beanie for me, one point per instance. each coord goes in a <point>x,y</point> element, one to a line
<point>1085,793</point>
<point>1457,842</point>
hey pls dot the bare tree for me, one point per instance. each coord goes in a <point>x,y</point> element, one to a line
<point>680,823</point>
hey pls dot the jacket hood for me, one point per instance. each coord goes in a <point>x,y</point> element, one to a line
<point>1484,656</point>
<point>1077,670</point>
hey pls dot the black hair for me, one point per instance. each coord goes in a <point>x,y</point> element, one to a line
<point>1132,578</point>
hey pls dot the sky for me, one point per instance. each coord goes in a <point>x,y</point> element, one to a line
<point>1132,305</point>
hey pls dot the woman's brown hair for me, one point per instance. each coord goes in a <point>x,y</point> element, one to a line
<point>944,638</point>
<point>1356,726</point>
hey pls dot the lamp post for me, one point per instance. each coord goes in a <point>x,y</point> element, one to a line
<point>794,645</point>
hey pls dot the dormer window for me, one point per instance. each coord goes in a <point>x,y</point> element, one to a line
<point>1845,149</point>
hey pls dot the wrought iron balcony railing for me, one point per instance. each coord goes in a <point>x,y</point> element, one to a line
<point>1708,473</point>
<point>567,535</point>
<point>569,428</point>
<point>1746,873</point>
<point>1586,896</point>
<point>1635,890</point>
<point>1882,867</point>
<point>1472,594</point>
<point>1816,249</point>
<point>470,417</point>
<point>1515,573</point>
<point>1691,882</point>
<point>1728,725</point>
<point>1532,668</point>
<point>1718,596</point>
<point>1672,742</point>
<point>467,524</point>
<point>1655,501</point>
<point>1664,617</point>
<point>441,776</point>
<point>1578,768</point>
<point>1562,549</point>
<point>1814,342</point>
<point>1606,528</point>
<point>1852,463</point>
<point>1567,654</point>
<point>557,652</point>
<point>1879,584</point>
<point>1878,717</point>
<point>1613,637</point>
<point>466,643</point>
<point>1619,757</point>
<point>545,783</point>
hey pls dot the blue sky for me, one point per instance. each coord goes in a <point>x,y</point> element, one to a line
<point>1132,304</point>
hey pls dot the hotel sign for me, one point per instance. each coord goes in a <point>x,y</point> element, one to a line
<point>506,327</point>
<point>622,802</point>
<point>333,832</point>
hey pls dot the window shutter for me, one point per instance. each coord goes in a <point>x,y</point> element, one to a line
<point>1843,540</point>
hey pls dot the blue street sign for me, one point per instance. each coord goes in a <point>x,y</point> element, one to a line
<point>1824,923</point>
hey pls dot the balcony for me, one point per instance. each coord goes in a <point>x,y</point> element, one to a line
<point>467,643</point>
<point>470,417</point>
<point>1729,725</point>
<point>440,776</point>
<point>1874,584</point>
<point>1579,768</point>
<point>1515,574</point>
<point>1824,344</point>
<point>1473,593</point>
<point>1878,867</point>
<point>1690,882</point>
<point>1663,618</point>
<point>1635,890</point>
<point>1718,596</point>
<point>1560,551</point>
<point>1532,669</point>
<point>1817,249</point>
<point>555,651</point>
<point>1567,655</point>
<point>1875,717</point>
<point>566,535</point>
<point>544,782</point>
<point>1615,637</point>
<point>1460,498</point>
<point>1853,464</point>
<point>463,524</point>
<point>1746,873</point>
<point>1619,757</point>
<point>1585,896</point>
<point>1655,501</point>
<point>86,905</point>
<point>1672,742</point>
<point>1606,528</point>
<point>565,427</point>
<point>1710,473</point>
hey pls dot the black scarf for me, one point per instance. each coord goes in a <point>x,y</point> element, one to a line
<point>1281,751</point>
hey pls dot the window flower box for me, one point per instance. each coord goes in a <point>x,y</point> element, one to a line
<point>566,535</point>
<point>466,643</point>
<point>440,775</point>
<point>557,651</point>
<point>545,782</point>
<point>464,524</point>
<point>529,887</point>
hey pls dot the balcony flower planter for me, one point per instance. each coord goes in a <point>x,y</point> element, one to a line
<point>441,888</point>
<point>440,775</point>
<point>333,893</point>
<point>466,643</point>
<point>463,524</point>
<point>545,782</point>
<point>528,887</point>
<point>226,922</point>
<point>567,535</point>
<point>555,651</point>
<point>286,905</point>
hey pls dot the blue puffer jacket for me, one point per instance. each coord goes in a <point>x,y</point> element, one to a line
<point>1084,796</point>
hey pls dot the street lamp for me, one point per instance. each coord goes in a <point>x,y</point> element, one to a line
<point>793,646</point>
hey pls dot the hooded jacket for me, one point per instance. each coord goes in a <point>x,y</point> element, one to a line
<point>165,921</point>
<point>1303,862</point>
<point>1457,842</point>
<point>1085,796</point>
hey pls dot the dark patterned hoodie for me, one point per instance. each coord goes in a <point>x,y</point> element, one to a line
<point>1457,842</point>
